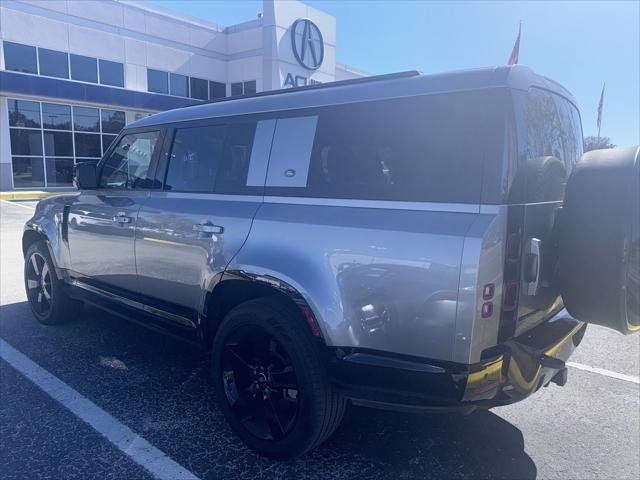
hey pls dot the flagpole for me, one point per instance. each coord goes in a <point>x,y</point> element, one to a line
<point>600,106</point>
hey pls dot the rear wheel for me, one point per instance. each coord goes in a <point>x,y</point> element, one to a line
<point>270,382</point>
<point>45,292</point>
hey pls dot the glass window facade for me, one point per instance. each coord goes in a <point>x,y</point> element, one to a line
<point>184,86</point>
<point>56,116</point>
<point>157,81</point>
<point>199,88</point>
<point>249,87</point>
<point>112,121</point>
<point>111,73</point>
<point>27,172</point>
<point>217,90</point>
<point>20,58</point>
<point>53,63</point>
<point>243,88</point>
<point>58,144</point>
<point>23,113</point>
<point>84,68</point>
<point>179,85</point>
<point>87,145</point>
<point>236,89</point>
<point>86,119</point>
<point>47,139</point>
<point>59,171</point>
<point>26,142</point>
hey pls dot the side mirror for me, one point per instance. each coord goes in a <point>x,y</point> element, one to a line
<point>86,176</point>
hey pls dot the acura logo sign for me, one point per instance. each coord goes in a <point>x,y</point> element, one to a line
<point>307,43</point>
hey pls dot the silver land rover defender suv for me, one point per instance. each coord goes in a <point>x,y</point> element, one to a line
<point>406,241</point>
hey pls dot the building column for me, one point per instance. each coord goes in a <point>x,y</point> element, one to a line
<point>5,147</point>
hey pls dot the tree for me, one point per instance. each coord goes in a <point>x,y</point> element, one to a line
<point>592,143</point>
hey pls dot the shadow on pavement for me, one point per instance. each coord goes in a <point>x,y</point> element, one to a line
<point>160,388</point>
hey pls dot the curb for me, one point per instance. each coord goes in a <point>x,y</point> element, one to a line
<point>29,195</point>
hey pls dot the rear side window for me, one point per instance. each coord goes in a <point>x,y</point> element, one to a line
<point>426,148</point>
<point>210,158</point>
<point>550,138</point>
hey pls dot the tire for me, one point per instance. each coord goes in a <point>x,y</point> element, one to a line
<point>318,408</point>
<point>47,298</point>
<point>599,240</point>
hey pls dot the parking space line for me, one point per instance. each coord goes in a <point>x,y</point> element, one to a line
<point>17,204</point>
<point>606,373</point>
<point>156,462</point>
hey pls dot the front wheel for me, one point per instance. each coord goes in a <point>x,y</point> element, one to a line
<point>45,292</point>
<point>270,382</point>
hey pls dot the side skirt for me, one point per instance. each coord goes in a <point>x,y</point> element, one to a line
<point>148,316</point>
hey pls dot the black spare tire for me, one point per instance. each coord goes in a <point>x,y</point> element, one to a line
<point>599,240</point>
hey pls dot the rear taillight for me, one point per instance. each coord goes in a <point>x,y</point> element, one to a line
<point>510,295</point>
<point>514,240</point>
<point>511,272</point>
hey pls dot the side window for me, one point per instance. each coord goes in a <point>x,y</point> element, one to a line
<point>128,165</point>
<point>553,145</point>
<point>232,177</point>
<point>195,157</point>
<point>427,148</point>
<point>211,158</point>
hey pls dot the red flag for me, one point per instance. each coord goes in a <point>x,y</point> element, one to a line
<point>513,58</point>
<point>600,107</point>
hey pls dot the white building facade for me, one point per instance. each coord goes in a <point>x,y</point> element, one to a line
<point>74,72</point>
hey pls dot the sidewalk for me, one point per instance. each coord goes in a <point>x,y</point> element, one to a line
<point>31,194</point>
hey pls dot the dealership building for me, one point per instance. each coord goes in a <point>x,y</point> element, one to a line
<point>74,72</point>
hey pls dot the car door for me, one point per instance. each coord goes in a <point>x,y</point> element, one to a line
<point>213,179</point>
<point>102,222</point>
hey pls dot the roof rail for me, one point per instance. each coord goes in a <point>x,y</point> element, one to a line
<point>317,86</point>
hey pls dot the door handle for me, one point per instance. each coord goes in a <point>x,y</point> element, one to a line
<point>532,266</point>
<point>121,217</point>
<point>208,227</point>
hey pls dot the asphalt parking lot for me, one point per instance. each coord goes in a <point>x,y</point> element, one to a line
<point>157,389</point>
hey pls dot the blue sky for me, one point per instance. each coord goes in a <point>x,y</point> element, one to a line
<point>579,44</point>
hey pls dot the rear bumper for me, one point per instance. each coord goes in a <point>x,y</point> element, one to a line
<point>511,372</point>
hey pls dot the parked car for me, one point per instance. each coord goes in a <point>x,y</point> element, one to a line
<point>397,241</point>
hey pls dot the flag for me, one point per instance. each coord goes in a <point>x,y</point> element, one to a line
<point>513,58</point>
<point>600,107</point>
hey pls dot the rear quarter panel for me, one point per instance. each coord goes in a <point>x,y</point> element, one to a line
<point>383,279</point>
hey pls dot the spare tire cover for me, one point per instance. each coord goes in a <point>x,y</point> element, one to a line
<point>599,240</point>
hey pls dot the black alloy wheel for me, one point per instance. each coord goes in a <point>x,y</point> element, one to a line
<point>47,294</point>
<point>39,284</point>
<point>270,379</point>
<point>260,383</point>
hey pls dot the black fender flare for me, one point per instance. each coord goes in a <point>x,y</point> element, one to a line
<point>257,285</point>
